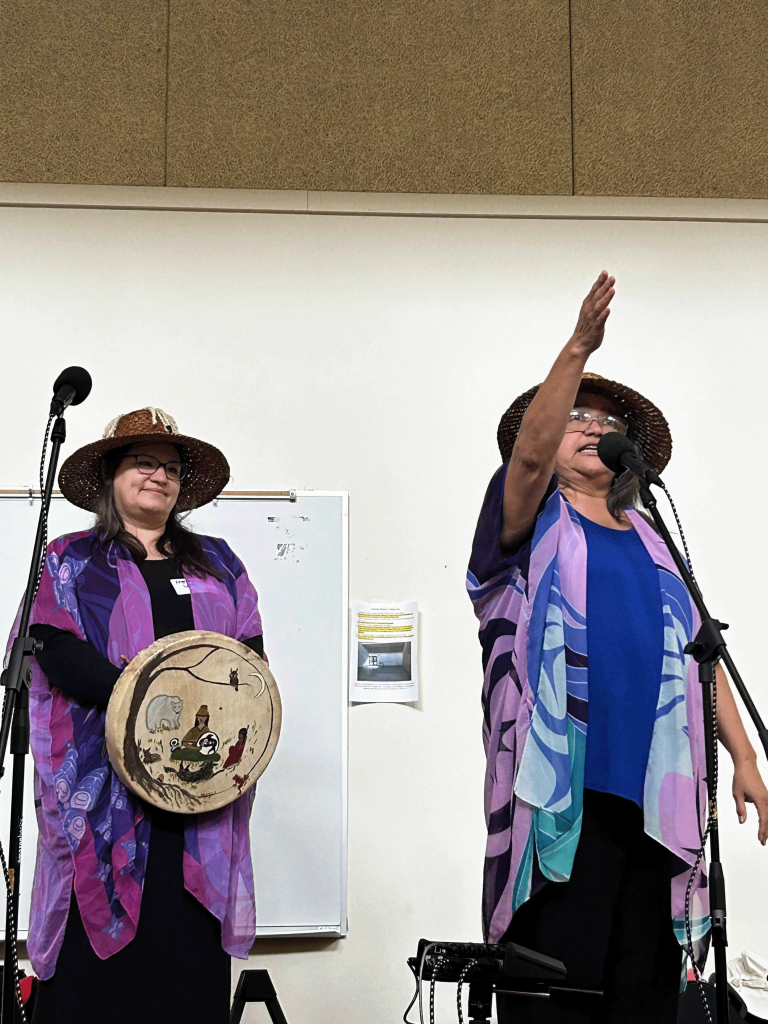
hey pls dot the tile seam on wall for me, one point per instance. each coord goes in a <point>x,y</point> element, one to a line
<point>570,93</point>
<point>167,86</point>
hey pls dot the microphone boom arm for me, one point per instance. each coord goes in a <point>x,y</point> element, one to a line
<point>707,649</point>
<point>715,642</point>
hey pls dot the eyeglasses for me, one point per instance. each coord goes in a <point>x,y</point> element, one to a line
<point>148,464</point>
<point>580,419</point>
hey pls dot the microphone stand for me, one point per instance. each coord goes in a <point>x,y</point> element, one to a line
<point>15,724</point>
<point>707,649</point>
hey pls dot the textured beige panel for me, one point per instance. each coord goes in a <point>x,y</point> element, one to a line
<point>370,95</point>
<point>82,91</point>
<point>670,97</point>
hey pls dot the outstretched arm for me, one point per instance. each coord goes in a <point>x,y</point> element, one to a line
<point>533,458</point>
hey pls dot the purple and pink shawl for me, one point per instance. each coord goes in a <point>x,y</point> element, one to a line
<point>533,630</point>
<point>93,834</point>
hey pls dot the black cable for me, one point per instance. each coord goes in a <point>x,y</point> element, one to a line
<point>711,802</point>
<point>10,947</point>
<point>682,535</point>
<point>699,856</point>
<point>11,950</point>
<point>435,968</point>
<point>408,1008</point>
<point>464,972</point>
<point>432,983</point>
<point>420,980</point>
<point>41,566</point>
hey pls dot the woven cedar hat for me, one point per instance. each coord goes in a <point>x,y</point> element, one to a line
<point>648,427</point>
<point>207,473</point>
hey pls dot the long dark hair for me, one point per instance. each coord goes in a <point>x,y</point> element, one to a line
<point>177,542</point>
<point>624,493</point>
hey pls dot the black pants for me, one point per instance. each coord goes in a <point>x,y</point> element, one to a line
<point>611,925</point>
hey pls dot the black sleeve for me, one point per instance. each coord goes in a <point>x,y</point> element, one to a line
<point>74,666</point>
<point>77,669</point>
<point>256,643</point>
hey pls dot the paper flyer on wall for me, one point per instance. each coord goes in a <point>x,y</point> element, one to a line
<point>385,645</point>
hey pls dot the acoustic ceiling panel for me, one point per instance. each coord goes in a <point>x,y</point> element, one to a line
<point>670,98</point>
<point>370,95</point>
<point>82,91</point>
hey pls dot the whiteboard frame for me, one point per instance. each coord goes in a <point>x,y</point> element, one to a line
<point>280,931</point>
<point>324,931</point>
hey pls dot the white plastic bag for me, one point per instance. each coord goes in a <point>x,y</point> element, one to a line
<point>749,976</point>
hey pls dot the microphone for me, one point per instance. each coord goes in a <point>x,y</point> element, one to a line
<point>72,387</point>
<point>618,453</point>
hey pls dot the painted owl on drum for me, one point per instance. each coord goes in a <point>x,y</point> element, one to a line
<point>164,710</point>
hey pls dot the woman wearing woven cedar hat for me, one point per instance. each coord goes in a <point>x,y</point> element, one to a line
<point>130,901</point>
<point>595,788</point>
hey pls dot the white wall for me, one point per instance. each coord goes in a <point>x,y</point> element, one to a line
<point>376,354</point>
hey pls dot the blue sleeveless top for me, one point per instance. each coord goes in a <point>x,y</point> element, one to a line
<point>626,649</point>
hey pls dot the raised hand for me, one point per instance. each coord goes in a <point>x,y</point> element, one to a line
<point>595,309</point>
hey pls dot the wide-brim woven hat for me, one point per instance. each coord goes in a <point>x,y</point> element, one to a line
<point>647,425</point>
<point>207,472</point>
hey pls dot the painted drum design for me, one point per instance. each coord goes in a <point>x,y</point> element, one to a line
<point>193,721</point>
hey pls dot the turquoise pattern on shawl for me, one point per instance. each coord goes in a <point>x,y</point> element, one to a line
<point>551,773</point>
<point>532,612</point>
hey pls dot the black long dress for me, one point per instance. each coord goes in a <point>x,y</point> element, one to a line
<point>175,965</point>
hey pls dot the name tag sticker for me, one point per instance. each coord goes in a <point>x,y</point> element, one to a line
<point>180,586</point>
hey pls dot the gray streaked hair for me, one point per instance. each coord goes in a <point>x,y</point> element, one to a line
<point>624,493</point>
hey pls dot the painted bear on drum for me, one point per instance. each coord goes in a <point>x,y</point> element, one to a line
<point>164,710</point>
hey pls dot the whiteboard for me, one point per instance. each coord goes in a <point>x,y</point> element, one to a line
<point>296,554</point>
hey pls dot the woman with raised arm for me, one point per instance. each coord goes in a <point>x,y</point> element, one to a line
<point>129,901</point>
<point>595,789</point>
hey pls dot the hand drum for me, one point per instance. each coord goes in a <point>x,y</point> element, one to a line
<point>193,721</point>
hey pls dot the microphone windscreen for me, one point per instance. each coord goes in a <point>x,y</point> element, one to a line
<point>611,447</point>
<point>79,379</point>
